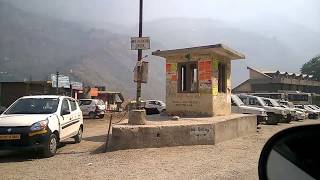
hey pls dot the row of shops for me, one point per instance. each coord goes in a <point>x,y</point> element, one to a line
<point>12,90</point>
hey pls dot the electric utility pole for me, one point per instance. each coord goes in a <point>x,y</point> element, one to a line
<point>139,58</point>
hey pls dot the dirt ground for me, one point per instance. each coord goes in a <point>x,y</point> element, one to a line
<point>234,159</point>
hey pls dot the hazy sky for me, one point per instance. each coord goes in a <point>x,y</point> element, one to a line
<point>304,12</point>
<point>289,22</point>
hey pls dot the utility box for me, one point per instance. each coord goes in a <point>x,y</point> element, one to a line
<point>144,66</point>
<point>198,80</point>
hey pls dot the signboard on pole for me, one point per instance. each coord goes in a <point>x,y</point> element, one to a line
<point>142,43</point>
<point>63,81</point>
<point>76,85</point>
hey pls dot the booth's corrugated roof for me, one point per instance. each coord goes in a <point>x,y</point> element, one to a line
<point>219,49</point>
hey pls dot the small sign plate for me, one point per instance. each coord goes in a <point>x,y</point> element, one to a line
<point>140,43</point>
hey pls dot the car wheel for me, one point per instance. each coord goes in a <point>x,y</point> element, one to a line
<point>92,115</point>
<point>148,111</point>
<point>51,146</point>
<point>78,137</point>
<point>101,116</point>
<point>272,119</point>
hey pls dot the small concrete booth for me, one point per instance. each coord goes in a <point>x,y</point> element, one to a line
<point>198,90</point>
<point>198,80</point>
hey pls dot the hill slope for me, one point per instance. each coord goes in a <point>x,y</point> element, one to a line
<point>33,46</point>
<point>103,57</point>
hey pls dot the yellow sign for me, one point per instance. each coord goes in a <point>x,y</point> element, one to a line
<point>174,67</point>
<point>214,90</point>
<point>215,64</point>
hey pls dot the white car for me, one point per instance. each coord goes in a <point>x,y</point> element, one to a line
<point>154,106</point>
<point>314,107</point>
<point>92,107</point>
<point>275,114</point>
<point>312,114</point>
<point>300,114</point>
<point>40,122</point>
<point>290,114</point>
<point>237,106</point>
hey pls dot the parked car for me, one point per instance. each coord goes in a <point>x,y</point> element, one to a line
<point>291,114</point>
<point>312,114</point>
<point>275,114</point>
<point>132,105</point>
<point>317,107</point>
<point>314,107</point>
<point>92,108</point>
<point>237,106</point>
<point>300,113</point>
<point>41,122</point>
<point>154,106</point>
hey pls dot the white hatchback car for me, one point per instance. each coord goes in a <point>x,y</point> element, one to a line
<point>40,122</point>
<point>92,107</point>
<point>154,107</point>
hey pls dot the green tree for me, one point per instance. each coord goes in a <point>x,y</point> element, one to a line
<point>312,67</point>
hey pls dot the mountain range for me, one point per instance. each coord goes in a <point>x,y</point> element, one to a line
<point>35,44</point>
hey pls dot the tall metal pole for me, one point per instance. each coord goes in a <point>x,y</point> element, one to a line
<point>139,58</point>
<point>57,82</point>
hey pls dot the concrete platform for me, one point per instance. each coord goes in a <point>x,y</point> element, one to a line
<point>160,131</point>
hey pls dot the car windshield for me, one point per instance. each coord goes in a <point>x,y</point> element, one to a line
<point>311,107</point>
<point>34,106</point>
<point>308,108</point>
<point>237,100</point>
<point>290,104</point>
<point>274,103</point>
<point>100,102</point>
<point>261,101</point>
<point>162,103</point>
<point>268,103</point>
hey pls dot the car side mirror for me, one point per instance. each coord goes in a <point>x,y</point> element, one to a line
<point>65,112</point>
<point>291,154</point>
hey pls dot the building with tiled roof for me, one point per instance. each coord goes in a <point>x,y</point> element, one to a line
<point>276,81</point>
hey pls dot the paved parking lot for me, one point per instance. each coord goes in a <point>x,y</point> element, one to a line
<point>234,159</point>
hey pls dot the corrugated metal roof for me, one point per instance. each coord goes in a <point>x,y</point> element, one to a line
<point>277,73</point>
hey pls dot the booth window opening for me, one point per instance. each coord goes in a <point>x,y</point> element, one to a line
<point>188,77</point>
<point>222,78</point>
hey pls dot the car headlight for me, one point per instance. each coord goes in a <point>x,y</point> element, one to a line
<point>41,125</point>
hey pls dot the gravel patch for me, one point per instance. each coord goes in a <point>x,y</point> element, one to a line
<point>234,159</point>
